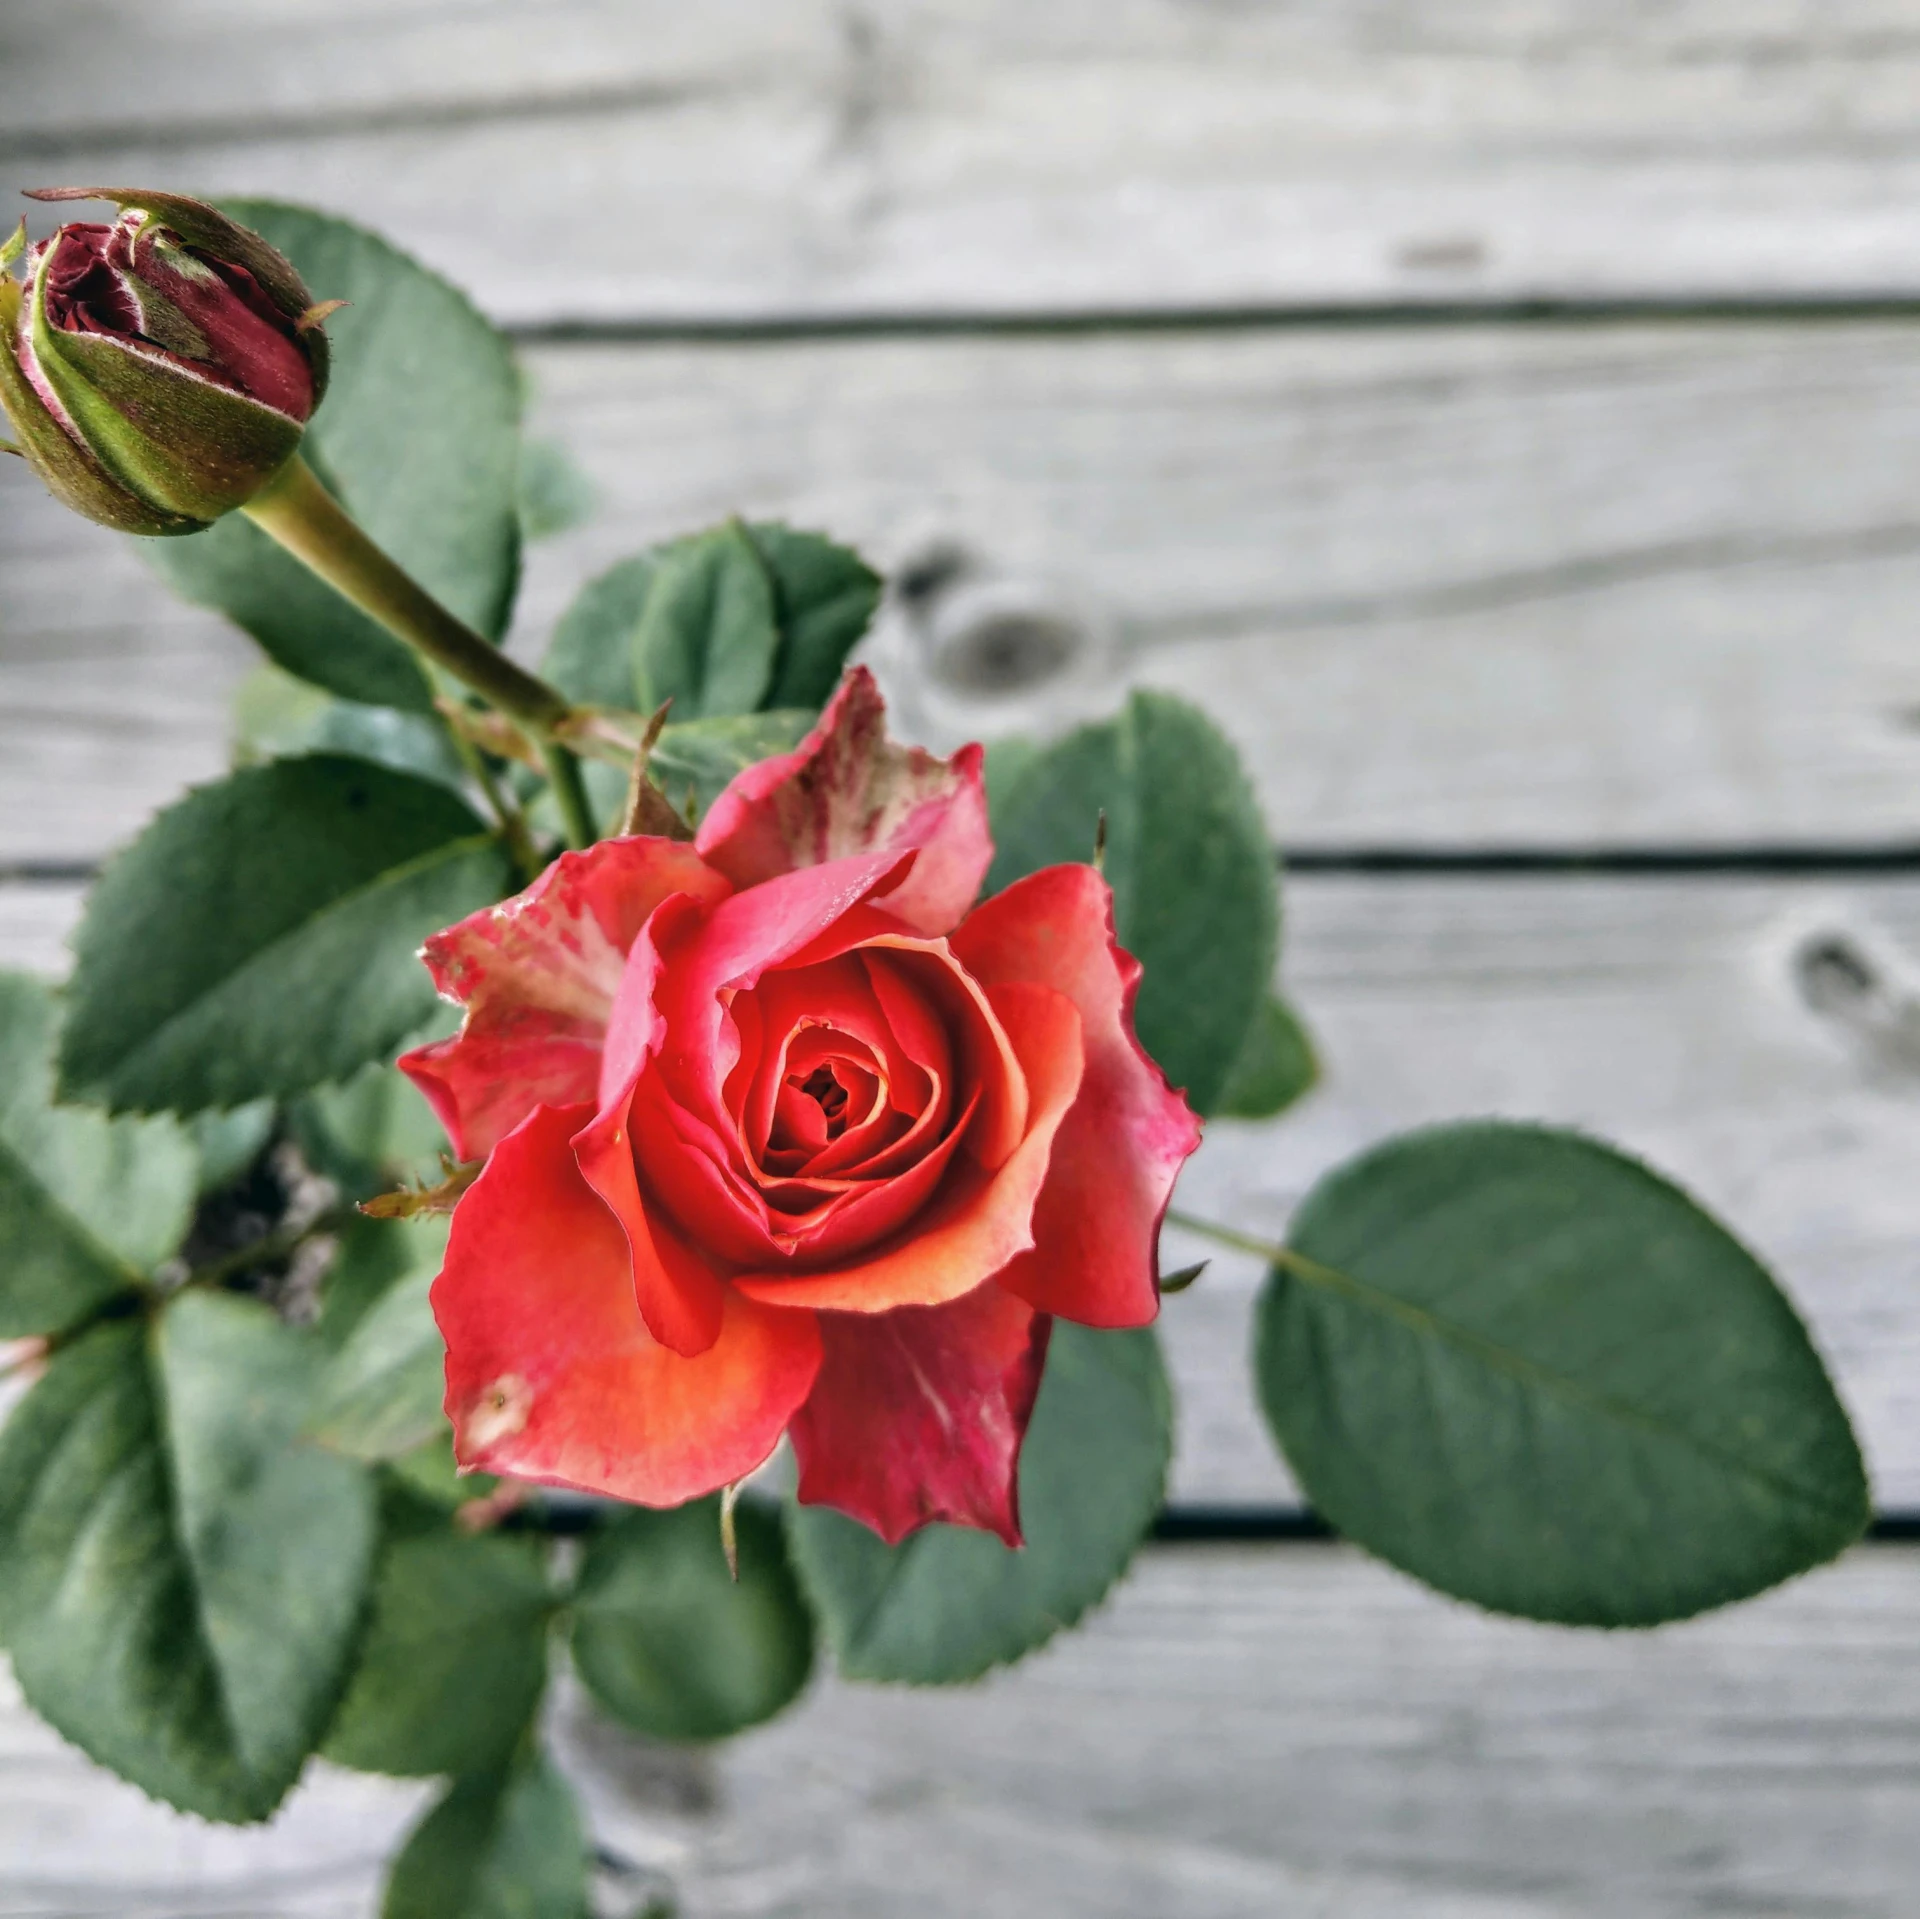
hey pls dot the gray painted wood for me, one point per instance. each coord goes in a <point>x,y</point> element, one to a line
<point>952,156</point>
<point>1582,586</point>
<point>1238,1733</point>
<point>1681,1018</point>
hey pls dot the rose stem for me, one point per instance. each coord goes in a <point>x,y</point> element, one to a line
<point>1269,1250</point>
<point>294,509</point>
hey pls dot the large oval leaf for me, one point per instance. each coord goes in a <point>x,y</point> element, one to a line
<point>949,1602</point>
<point>419,437</point>
<point>671,1645</point>
<point>1195,887</point>
<point>181,1580</point>
<point>88,1205</point>
<point>259,936</point>
<point>1527,1370</point>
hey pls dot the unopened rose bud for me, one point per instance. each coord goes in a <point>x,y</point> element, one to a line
<point>158,371</point>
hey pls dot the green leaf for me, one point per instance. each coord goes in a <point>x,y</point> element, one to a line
<point>706,754</point>
<point>555,495</point>
<point>380,1394</point>
<point>1524,1368</point>
<point>180,1581</point>
<point>276,716</point>
<point>707,635</point>
<point>826,597</point>
<point>455,1656</point>
<point>1195,891</point>
<point>949,1602</point>
<point>374,1130</point>
<point>419,437</point>
<point>1276,1066</point>
<point>87,1205</point>
<point>504,1845</point>
<point>669,1644</point>
<point>259,936</point>
<point>729,621</point>
<point>228,1143</point>
<point>590,658</point>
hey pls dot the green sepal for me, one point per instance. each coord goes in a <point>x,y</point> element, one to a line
<point>70,473</point>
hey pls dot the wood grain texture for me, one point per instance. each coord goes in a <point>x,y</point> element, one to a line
<point>1680,1018</point>
<point>744,160</point>
<point>1574,586</point>
<point>1239,1733</point>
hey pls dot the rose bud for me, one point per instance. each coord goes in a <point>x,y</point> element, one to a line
<point>159,371</point>
<point>785,1134</point>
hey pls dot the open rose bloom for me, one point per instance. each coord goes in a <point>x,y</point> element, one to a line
<point>784,1134</point>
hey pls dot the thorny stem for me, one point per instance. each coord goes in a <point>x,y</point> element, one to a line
<point>295,510</point>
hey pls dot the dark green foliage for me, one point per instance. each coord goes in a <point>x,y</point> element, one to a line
<point>260,935</point>
<point>88,1205</point>
<point>1195,890</point>
<point>181,1580</point>
<point>738,619</point>
<point>501,1845</point>
<point>1527,1370</point>
<point>672,1646</point>
<point>455,1655</point>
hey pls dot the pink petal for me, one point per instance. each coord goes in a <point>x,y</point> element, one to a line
<point>538,974</point>
<point>918,1414</point>
<point>848,789</point>
<point>1097,1223</point>
<point>552,1376</point>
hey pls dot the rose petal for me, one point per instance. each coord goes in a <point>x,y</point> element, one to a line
<point>680,1296</point>
<point>918,1414</point>
<point>551,1375</point>
<point>1097,1224</point>
<point>538,974</point>
<point>981,1219</point>
<point>848,789</point>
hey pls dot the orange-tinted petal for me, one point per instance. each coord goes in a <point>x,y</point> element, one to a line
<point>537,975</point>
<point>552,1376</point>
<point>918,1414</point>
<point>1097,1224</point>
<point>981,1219</point>
<point>848,789</point>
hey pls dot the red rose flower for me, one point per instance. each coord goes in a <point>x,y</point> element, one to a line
<point>781,1137</point>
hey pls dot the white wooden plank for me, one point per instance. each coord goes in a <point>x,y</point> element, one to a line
<point>34,924</point>
<point>1677,1017</point>
<point>745,160</point>
<point>1239,1732</point>
<point>1637,585</point>
<point>1611,586</point>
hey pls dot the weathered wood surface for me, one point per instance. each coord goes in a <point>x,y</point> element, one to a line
<point>1561,587</point>
<point>661,161</point>
<point>1682,1017</point>
<point>1240,1733</point>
